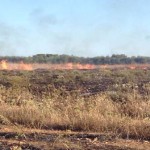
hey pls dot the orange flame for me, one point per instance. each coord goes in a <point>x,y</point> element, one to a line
<point>10,66</point>
<point>78,66</point>
<point>23,66</point>
<point>132,67</point>
<point>87,66</point>
<point>69,66</point>
<point>103,66</point>
<point>4,64</point>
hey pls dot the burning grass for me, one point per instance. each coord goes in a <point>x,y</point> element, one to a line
<point>5,65</point>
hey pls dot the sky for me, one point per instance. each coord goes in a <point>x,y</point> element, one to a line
<point>85,28</point>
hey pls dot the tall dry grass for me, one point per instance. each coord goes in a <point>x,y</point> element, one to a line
<point>97,114</point>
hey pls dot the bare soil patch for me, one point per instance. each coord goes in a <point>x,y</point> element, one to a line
<point>33,139</point>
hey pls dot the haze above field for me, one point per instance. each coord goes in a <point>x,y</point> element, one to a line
<point>75,27</point>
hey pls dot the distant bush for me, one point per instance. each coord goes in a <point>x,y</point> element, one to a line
<point>57,59</point>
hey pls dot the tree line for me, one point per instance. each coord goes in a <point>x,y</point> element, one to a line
<point>61,59</point>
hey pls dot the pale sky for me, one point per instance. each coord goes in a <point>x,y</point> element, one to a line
<point>75,27</point>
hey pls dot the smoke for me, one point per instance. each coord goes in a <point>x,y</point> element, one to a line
<point>49,33</point>
<point>59,35</point>
<point>42,20</point>
<point>6,44</point>
<point>23,40</point>
<point>11,39</point>
<point>133,43</point>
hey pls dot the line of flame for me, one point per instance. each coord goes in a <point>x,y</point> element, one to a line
<point>4,65</point>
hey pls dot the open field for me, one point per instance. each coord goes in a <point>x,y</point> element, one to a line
<point>103,108</point>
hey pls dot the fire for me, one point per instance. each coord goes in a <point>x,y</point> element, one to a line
<point>103,66</point>
<point>69,66</point>
<point>132,67</point>
<point>13,66</point>
<point>85,66</point>
<point>4,64</point>
<point>23,66</point>
<point>78,66</point>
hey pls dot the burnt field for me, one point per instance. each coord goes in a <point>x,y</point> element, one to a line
<point>110,107</point>
<point>42,82</point>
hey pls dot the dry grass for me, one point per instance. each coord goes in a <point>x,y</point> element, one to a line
<point>98,114</point>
